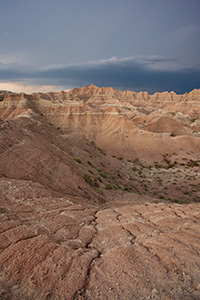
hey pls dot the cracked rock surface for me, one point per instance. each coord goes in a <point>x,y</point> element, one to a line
<point>54,248</point>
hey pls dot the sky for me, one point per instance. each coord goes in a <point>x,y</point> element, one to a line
<point>139,45</point>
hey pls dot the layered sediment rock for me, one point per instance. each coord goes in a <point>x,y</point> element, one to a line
<point>122,118</point>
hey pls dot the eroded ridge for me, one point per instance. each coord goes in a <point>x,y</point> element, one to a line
<point>54,248</point>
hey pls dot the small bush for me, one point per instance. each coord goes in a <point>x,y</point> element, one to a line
<point>155,201</point>
<point>119,175</point>
<point>99,178</point>
<point>78,160</point>
<point>108,187</point>
<point>179,201</point>
<point>95,183</point>
<point>102,173</point>
<point>127,189</point>
<point>89,163</point>
<point>193,163</point>
<point>88,178</point>
<point>101,192</point>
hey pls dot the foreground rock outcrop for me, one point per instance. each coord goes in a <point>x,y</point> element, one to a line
<point>53,248</point>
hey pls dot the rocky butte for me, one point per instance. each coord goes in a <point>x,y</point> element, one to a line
<point>100,195</point>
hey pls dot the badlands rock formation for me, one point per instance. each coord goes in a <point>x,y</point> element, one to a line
<point>99,195</point>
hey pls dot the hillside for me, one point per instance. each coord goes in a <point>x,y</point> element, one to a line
<point>134,140</point>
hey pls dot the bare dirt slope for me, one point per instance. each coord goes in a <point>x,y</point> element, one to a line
<point>99,195</point>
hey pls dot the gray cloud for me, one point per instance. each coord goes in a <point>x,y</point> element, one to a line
<point>140,74</point>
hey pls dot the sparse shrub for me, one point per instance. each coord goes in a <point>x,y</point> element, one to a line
<point>116,187</point>
<point>167,161</point>
<point>88,178</point>
<point>95,183</point>
<point>197,199</point>
<point>159,180</point>
<point>102,173</point>
<point>101,192</point>
<point>119,175</point>
<point>101,151</point>
<point>175,200</point>
<point>193,163</point>
<point>78,160</point>
<point>99,178</point>
<point>127,189</point>
<point>155,201</point>
<point>179,201</point>
<point>89,163</point>
<point>186,192</point>
<point>108,187</point>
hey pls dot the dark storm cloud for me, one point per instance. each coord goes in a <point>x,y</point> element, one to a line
<point>146,74</point>
<point>126,74</point>
<point>14,71</point>
<point>165,34</point>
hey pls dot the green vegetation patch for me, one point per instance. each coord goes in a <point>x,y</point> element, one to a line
<point>78,160</point>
